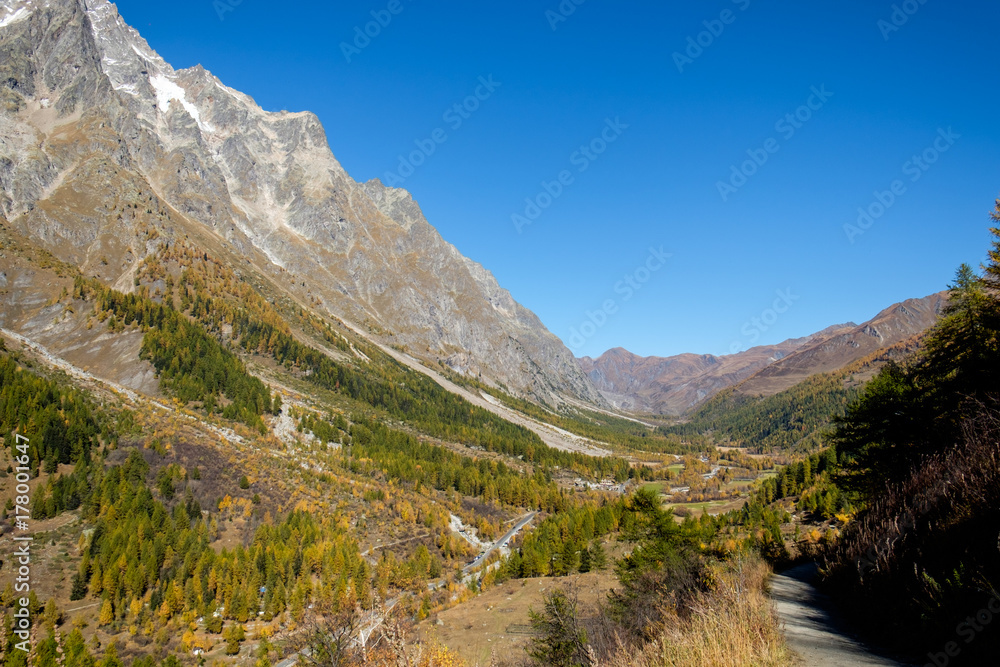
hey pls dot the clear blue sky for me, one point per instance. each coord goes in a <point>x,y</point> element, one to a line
<point>657,183</point>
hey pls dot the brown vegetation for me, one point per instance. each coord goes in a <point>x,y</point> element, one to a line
<point>731,624</point>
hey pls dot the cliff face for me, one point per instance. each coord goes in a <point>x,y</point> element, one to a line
<point>101,139</point>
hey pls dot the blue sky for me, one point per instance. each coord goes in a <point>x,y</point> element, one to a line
<point>924,86</point>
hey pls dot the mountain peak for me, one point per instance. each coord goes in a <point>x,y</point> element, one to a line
<point>263,188</point>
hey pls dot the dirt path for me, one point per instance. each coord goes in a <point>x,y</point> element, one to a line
<point>813,627</point>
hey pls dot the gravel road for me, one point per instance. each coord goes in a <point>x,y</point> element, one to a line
<point>813,627</point>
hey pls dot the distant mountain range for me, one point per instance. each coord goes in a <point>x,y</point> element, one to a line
<point>676,385</point>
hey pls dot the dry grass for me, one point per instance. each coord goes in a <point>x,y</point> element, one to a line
<point>925,551</point>
<point>733,625</point>
<point>478,628</point>
<point>942,492</point>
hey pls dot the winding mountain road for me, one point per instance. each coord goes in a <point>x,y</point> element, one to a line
<point>499,544</point>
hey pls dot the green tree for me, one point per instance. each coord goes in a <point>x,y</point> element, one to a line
<point>992,268</point>
<point>75,650</point>
<point>908,412</point>
<point>598,559</point>
<point>52,615</point>
<point>234,636</point>
<point>559,640</point>
<point>47,653</point>
<point>665,567</point>
<point>585,563</point>
<point>111,658</point>
<point>962,351</point>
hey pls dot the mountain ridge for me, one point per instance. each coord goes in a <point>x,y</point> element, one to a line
<point>680,383</point>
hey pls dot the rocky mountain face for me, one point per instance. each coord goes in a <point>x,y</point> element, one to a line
<point>107,152</point>
<point>676,385</point>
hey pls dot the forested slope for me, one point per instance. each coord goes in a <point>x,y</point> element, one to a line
<point>921,453</point>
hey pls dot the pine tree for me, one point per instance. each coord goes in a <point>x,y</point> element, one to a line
<point>52,616</point>
<point>75,650</point>
<point>598,559</point>
<point>558,640</point>
<point>234,636</point>
<point>363,586</point>
<point>47,653</point>
<point>111,657</point>
<point>38,506</point>
<point>992,269</point>
<point>807,473</point>
<point>585,561</point>
<point>963,349</point>
<point>79,588</point>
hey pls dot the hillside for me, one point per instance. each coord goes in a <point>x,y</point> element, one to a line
<point>796,419</point>
<point>674,385</point>
<point>839,349</point>
<point>344,452</point>
<point>677,385</point>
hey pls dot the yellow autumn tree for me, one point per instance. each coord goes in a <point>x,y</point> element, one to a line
<point>441,656</point>
<point>107,613</point>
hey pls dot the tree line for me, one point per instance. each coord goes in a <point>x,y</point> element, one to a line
<point>191,364</point>
<point>64,424</point>
<point>920,454</point>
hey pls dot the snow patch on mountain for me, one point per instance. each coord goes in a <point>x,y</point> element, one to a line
<point>129,62</point>
<point>168,91</point>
